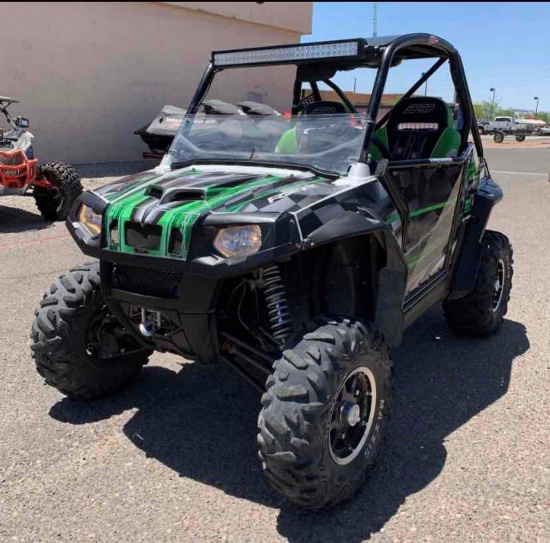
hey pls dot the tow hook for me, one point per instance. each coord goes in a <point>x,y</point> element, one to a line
<point>150,322</point>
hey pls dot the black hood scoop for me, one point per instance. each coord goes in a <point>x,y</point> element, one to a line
<point>167,195</point>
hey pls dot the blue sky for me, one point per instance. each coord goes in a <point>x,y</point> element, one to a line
<point>503,45</point>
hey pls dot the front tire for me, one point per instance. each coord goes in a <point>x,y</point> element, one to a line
<point>498,137</point>
<point>482,311</point>
<point>55,203</point>
<point>77,345</point>
<point>324,412</point>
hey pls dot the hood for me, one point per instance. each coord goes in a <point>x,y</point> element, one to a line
<point>154,213</point>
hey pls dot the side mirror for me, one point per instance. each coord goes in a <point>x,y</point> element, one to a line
<point>21,122</point>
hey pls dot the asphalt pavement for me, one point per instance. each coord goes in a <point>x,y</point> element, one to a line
<point>173,457</point>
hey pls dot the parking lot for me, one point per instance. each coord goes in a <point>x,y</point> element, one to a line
<point>173,458</point>
<point>510,142</point>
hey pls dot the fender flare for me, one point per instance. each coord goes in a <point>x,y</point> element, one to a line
<point>389,316</point>
<point>465,270</point>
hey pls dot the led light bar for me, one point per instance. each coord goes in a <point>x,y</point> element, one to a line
<point>350,49</point>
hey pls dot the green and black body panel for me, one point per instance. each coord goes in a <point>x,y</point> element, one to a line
<point>157,250</point>
<point>156,246</point>
<point>173,216</point>
<point>487,195</point>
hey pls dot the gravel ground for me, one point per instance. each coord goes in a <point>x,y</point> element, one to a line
<point>172,459</point>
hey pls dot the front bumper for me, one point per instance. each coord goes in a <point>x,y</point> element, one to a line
<point>184,291</point>
<point>17,172</point>
<point>186,301</point>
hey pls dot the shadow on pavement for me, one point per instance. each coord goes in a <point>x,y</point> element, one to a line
<point>201,422</point>
<point>14,219</point>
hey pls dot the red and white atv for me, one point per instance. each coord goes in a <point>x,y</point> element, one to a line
<point>54,185</point>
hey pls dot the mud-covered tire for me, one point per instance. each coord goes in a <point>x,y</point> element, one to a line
<point>60,343</point>
<point>55,203</point>
<point>294,438</point>
<point>482,311</point>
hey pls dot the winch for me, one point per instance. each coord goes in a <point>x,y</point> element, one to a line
<point>150,322</point>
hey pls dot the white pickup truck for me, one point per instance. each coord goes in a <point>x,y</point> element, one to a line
<point>504,126</point>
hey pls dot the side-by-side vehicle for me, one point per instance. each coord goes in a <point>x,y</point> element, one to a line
<point>54,185</point>
<point>297,256</point>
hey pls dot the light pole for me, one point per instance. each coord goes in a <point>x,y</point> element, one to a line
<point>537,106</point>
<point>493,90</point>
<point>425,86</point>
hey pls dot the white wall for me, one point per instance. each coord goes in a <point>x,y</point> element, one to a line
<point>294,16</point>
<point>89,74</point>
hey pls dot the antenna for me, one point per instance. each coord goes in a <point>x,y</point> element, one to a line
<point>374,19</point>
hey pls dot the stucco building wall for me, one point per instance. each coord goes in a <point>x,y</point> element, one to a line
<point>89,74</point>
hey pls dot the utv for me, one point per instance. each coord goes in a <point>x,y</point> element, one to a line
<point>55,185</point>
<point>297,259</point>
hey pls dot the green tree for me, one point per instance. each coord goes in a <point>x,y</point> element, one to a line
<point>484,109</point>
<point>478,110</point>
<point>505,111</point>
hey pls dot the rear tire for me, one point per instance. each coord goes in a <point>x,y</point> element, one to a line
<point>520,138</point>
<point>77,345</point>
<point>482,311</point>
<point>308,414</point>
<point>55,203</point>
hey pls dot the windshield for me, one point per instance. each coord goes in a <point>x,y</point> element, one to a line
<point>325,142</point>
<point>270,114</point>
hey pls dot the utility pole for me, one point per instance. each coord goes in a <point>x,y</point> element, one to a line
<point>537,106</point>
<point>354,83</point>
<point>374,19</point>
<point>425,86</point>
<point>493,90</point>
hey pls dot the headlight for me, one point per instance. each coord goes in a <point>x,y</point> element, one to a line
<point>239,240</point>
<point>89,219</point>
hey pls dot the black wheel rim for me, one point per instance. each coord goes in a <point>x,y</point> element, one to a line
<point>498,288</point>
<point>352,416</point>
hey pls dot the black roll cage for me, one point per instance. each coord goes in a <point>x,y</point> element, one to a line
<point>383,54</point>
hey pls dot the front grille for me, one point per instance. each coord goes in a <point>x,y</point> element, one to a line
<point>143,237</point>
<point>176,241</point>
<point>147,281</point>
<point>12,159</point>
<point>15,172</point>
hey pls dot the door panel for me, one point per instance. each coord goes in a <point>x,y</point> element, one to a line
<point>431,193</point>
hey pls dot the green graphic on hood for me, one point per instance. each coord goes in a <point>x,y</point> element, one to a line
<point>182,216</point>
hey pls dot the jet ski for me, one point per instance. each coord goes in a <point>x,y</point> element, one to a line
<point>160,132</point>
